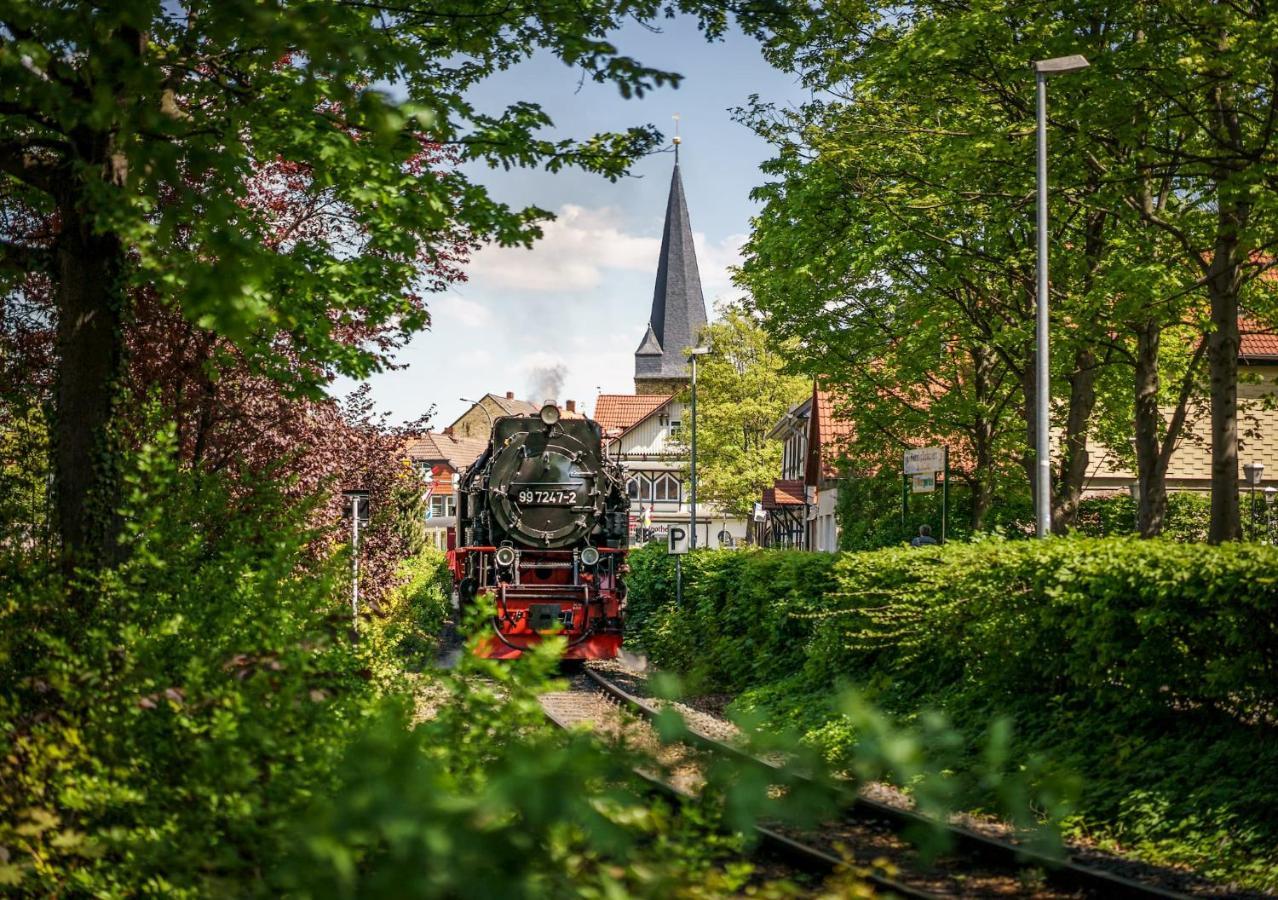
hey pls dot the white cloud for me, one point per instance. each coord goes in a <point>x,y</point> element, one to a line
<point>713,261</point>
<point>453,308</point>
<point>571,256</point>
<point>582,244</point>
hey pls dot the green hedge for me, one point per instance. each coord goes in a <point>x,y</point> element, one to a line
<point>1150,667</point>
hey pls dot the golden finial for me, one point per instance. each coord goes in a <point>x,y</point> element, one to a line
<point>677,140</point>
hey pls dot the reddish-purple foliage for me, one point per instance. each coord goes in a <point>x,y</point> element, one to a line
<point>233,420</point>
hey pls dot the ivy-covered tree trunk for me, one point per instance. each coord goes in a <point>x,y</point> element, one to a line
<point>90,308</point>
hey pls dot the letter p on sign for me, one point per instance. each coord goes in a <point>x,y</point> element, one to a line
<point>677,539</point>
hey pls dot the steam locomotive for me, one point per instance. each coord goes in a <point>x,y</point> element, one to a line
<point>542,529</point>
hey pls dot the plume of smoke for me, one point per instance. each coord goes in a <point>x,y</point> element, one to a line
<point>546,382</point>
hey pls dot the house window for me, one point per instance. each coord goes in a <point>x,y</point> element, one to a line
<point>440,506</point>
<point>675,426</point>
<point>663,420</point>
<point>639,487</point>
<point>666,488</point>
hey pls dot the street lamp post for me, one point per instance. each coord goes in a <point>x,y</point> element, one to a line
<point>357,501</point>
<point>1043,70</point>
<point>694,353</point>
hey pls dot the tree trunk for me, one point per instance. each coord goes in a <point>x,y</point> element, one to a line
<point>1074,455</point>
<point>1031,433</point>
<point>981,481</point>
<point>1150,472</point>
<point>1222,365</point>
<point>90,302</point>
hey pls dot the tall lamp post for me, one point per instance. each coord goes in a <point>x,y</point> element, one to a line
<point>694,353</point>
<point>357,502</point>
<point>1043,70</point>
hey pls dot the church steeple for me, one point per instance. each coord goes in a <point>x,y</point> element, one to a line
<point>678,307</point>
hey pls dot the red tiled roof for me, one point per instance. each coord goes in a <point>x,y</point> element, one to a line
<point>435,446</point>
<point>784,492</point>
<point>832,434</point>
<point>833,428</point>
<point>620,411</point>
<point>1258,342</point>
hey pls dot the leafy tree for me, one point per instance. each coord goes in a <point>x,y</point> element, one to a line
<point>135,128</point>
<point>895,246</point>
<point>743,390</point>
<point>1161,166</point>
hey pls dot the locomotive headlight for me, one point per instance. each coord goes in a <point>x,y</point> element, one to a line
<point>505,556</point>
<point>590,556</point>
<point>549,414</point>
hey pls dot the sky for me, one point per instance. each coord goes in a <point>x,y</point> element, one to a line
<point>563,319</point>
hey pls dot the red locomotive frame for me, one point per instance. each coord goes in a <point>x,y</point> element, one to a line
<point>549,592</point>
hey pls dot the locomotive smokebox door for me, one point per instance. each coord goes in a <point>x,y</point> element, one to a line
<point>544,617</point>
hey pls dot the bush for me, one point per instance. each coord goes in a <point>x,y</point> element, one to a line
<point>1147,666</point>
<point>410,617</point>
<point>752,596</point>
<point>164,721</point>
<point>197,722</point>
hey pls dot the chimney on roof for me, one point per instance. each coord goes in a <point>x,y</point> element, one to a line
<point>570,405</point>
<point>510,395</point>
<point>449,431</point>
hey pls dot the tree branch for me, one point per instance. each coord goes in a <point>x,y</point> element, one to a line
<point>25,259</point>
<point>26,160</point>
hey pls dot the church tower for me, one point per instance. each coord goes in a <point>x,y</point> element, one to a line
<point>678,307</point>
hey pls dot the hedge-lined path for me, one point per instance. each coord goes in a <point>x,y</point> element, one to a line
<point>705,715</point>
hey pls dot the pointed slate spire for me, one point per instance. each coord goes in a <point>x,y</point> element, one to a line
<point>650,345</point>
<point>678,307</point>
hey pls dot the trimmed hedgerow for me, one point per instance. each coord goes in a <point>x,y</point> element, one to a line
<point>1148,667</point>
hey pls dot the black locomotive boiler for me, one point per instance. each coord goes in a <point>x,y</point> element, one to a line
<point>542,528</point>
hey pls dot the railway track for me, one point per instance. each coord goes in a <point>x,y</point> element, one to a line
<point>980,866</point>
<point>604,705</point>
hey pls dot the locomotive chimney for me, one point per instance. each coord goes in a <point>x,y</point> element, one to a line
<point>570,405</point>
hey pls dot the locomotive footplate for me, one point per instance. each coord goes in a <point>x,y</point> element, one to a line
<point>543,617</point>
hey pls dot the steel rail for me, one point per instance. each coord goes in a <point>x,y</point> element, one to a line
<point>801,856</point>
<point>1064,872</point>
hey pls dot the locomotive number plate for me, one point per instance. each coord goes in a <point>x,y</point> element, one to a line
<point>535,497</point>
